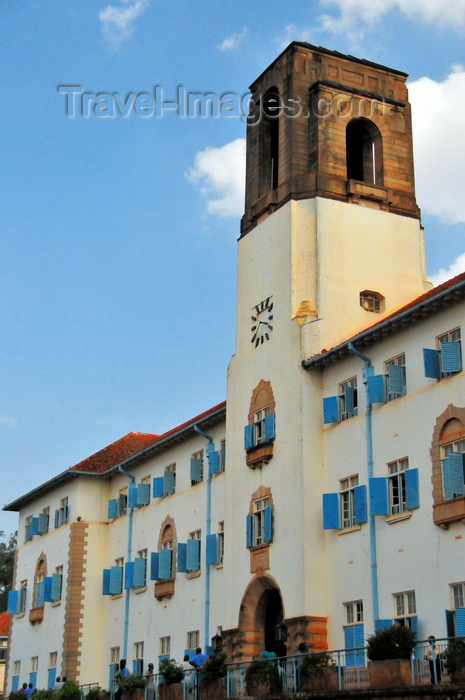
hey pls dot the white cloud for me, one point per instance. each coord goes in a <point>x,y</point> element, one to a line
<point>442,275</point>
<point>220,172</point>
<point>117,21</point>
<point>356,13</point>
<point>438,110</point>
<point>233,41</point>
<point>7,420</point>
<point>293,33</point>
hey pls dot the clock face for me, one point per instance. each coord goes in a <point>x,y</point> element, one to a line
<point>262,322</point>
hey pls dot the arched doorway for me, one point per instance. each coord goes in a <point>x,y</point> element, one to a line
<point>261,611</point>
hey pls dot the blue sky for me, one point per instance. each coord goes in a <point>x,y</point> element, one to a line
<point>118,243</point>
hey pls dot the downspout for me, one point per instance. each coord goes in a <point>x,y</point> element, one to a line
<point>368,372</point>
<point>128,558</point>
<point>207,532</point>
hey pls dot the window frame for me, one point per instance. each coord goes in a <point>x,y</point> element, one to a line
<point>220,544</point>
<point>454,335</point>
<point>193,638</point>
<point>196,535</point>
<point>349,611</point>
<point>201,457</point>
<point>397,361</point>
<point>454,597</point>
<point>351,383</point>
<point>397,486</point>
<point>347,502</point>
<point>258,520</point>
<point>164,645</point>
<point>403,614</point>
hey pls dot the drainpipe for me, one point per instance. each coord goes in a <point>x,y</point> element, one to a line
<point>368,371</point>
<point>128,558</point>
<point>207,532</point>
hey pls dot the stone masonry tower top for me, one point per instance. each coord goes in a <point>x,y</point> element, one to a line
<point>324,124</point>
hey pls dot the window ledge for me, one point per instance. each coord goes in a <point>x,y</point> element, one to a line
<point>142,589</point>
<point>219,566</point>
<point>346,530</point>
<point>194,574</point>
<point>36,615</point>
<point>56,603</point>
<point>164,588</point>
<point>21,614</point>
<point>116,596</point>
<point>446,512</point>
<point>399,516</point>
<point>259,454</point>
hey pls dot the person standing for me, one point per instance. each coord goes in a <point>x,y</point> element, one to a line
<point>199,659</point>
<point>150,676</point>
<point>432,653</point>
<point>120,676</point>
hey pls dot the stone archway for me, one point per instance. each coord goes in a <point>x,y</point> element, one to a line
<point>261,610</point>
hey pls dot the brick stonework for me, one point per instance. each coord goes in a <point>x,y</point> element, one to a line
<point>74,605</point>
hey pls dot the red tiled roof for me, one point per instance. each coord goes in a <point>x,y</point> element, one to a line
<point>131,444</point>
<point>117,452</point>
<point>4,623</point>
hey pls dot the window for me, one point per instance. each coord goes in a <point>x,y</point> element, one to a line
<point>258,527</point>
<point>34,663</point>
<point>395,377</point>
<point>348,400</point>
<point>167,540</point>
<point>364,152</point>
<point>61,514</point>
<point>22,598</point>
<point>405,609</point>
<point>140,569</point>
<point>169,485</point>
<point>353,612</point>
<point>458,597</point>
<point>347,501</point>
<point>122,502</point>
<point>455,618</point>
<point>16,668</point>
<point>193,639</point>
<point>450,341</point>
<point>164,647</point>
<point>354,637</point>
<point>52,659</point>
<point>148,481</point>
<point>138,658</point>
<point>197,467</point>
<point>222,460</point>
<point>259,433</point>
<point>44,520</point>
<point>220,543</point>
<point>57,584</point>
<point>397,486</point>
<point>371,301</point>
<point>193,557</point>
<point>28,529</point>
<point>453,467</point>
<point>114,655</point>
<point>2,654</point>
<point>39,585</point>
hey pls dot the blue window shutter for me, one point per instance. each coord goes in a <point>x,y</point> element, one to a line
<point>137,666</point>
<point>129,575</point>
<point>140,568</point>
<point>164,563</point>
<point>48,589</point>
<point>43,523</point>
<point>414,623</point>
<point>116,580</point>
<point>378,496</point>
<point>268,512</point>
<point>154,566</point>
<point>168,483</point>
<point>359,639</point>
<point>33,678</point>
<point>330,412</point>
<point>51,675</point>
<point>34,526</point>
<point>12,602</point>
<point>376,389</point>
<point>330,511</point>
<point>211,549</point>
<point>112,508</point>
<point>162,657</point>
<point>349,397</point>
<point>451,357</point>
<point>249,524</point>
<point>14,682</point>
<point>395,379</point>
<point>57,515</point>
<point>105,582</point>
<point>269,426</point>
<point>55,593</point>
<point>412,496</point>
<point>65,513</point>
<point>248,436</point>
<point>132,496</point>
<point>450,623</point>
<point>349,643</point>
<point>158,487</point>
<point>190,653</point>
<point>143,494</point>
<point>39,594</point>
<point>460,622</point>
<point>360,497</point>
<point>452,475</point>
<point>182,553</point>
<point>431,363</point>
<point>381,624</point>
<point>213,462</point>
<point>192,555</point>
<point>196,469</point>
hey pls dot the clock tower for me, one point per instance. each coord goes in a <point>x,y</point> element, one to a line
<point>331,242</point>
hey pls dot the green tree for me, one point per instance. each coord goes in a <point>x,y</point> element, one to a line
<point>7,558</point>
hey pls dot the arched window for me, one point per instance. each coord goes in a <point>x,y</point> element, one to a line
<point>452,444</point>
<point>364,152</point>
<point>270,109</point>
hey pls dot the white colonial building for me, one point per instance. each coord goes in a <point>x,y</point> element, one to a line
<point>330,497</point>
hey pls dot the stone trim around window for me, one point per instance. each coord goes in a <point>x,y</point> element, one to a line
<point>452,510</point>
